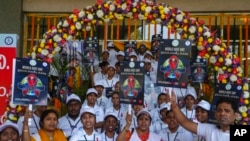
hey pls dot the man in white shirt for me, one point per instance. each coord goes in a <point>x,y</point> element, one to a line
<point>70,122</point>
<point>225,114</point>
<point>112,53</point>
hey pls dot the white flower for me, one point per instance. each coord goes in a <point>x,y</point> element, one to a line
<point>228,62</point>
<point>233,78</point>
<point>240,70</point>
<point>158,20</point>
<point>69,38</point>
<point>212,59</point>
<point>90,16</point>
<point>179,30</point>
<point>45,52</point>
<point>43,41</point>
<point>141,16</point>
<point>246,94</point>
<point>54,30</point>
<point>57,49</point>
<point>148,9</point>
<point>134,4</point>
<point>200,47</point>
<point>12,105</point>
<point>33,55</point>
<point>192,29</point>
<point>216,48</point>
<point>207,34</point>
<point>50,55</point>
<point>111,7</point>
<point>124,6</point>
<point>81,14</point>
<point>166,10</point>
<point>220,71</point>
<point>88,28</point>
<point>179,17</point>
<point>71,16</point>
<point>78,25</point>
<point>57,38</point>
<point>107,20</point>
<point>191,37</point>
<point>99,13</point>
<point>242,109</point>
<point>59,24</point>
<point>65,23</point>
<point>129,14</point>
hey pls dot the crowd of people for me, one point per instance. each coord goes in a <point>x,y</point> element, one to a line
<point>176,115</point>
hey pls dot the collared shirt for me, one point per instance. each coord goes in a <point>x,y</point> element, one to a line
<point>106,138</point>
<point>101,102</point>
<point>212,133</point>
<point>180,135</point>
<point>81,135</point>
<point>189,114</point>
<point>99,76</point>
<point>158,126</point>
<point>68,125</point>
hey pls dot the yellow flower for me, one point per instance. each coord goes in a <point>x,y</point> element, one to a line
<point>39,50</point>
<point>72,27</point>
<point>246,101</point>
<point>224,81</point>
<point>185,21</point>
<point>200,29</point>
<point>229,69</point>
<point>216,68</point>
<point>143,8</point>
<point>222,49</point>
<point>207,55</point>
<point>65,36</point>
<point>55,44</point>
<point>199,44</point>
<point>210,40</point>
<point>134,10</point>
<point>42,45</point>
<point>221,59</point>
<point>224,68</point>
<point>200,39</point>
<point>244,114</point>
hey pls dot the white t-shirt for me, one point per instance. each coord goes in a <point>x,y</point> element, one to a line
<point>81,135</point>
<point>152,137</point>
<point>68,125</point>
<point>189,114</point>
<point>101,102</point>
<point>106,138</point>
<point>158,126</point>
<point>180,135</point>
<point>34,127</point>
<point>99,76</point>
<point>212,133</point>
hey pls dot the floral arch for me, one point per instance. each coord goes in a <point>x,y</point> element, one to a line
<point>223,62</point>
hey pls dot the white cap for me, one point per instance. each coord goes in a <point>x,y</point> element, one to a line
<point>110,44</point>
<point>110,114</point>
<point>146,60</point>
<point>9,124</point>
<point>144,111</point>
<point>120,53</point>
<point>111,66</point>
<point>132,54</point>
<point>73,97</point>
<point>191,91</point>
<point>148,52</point>
<point>99,83</point>
<point>87,109</point>
<point>164,106</point>
<point>204,105</point>
<point>91,90</point>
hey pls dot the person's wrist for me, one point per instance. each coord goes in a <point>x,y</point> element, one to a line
<point>174,105</point>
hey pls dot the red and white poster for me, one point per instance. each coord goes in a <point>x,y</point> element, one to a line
<point>8,45</point>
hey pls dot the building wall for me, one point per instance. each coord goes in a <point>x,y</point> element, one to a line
<point>11,19</point>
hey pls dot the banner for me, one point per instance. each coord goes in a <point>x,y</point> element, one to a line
<point>129,46</point>
<point>199,70</point>
<point>91,50</point>
<point>174,63</point>
<point>8,45</point>
<point>132,83</point>
<point>30,82</point>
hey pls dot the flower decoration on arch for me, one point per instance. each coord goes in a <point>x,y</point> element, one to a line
<point>224,63</point>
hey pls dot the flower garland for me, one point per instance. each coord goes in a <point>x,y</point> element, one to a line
<point>223,62</point>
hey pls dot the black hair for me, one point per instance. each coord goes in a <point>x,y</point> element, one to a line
<point>228,101</point>
<point>103,63</point>
<point>118,64</point>
<point>145,114</point>
<point>110,116</point>
<point>45,113</point>
<point>160,95</point>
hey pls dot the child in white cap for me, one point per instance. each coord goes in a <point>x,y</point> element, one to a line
<point>87,132</point>
<point>189,100</point>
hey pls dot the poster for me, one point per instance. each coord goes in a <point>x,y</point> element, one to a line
<point>91,50</point>
<point>129,46</point>
<point>199,70</point>
<point>8,45</point>
<point>73,50</point>
<point>174,63</point>
<point>155,42</point>
<point>30,78</point>
<point>230,91</point>
<point>132,83</point>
